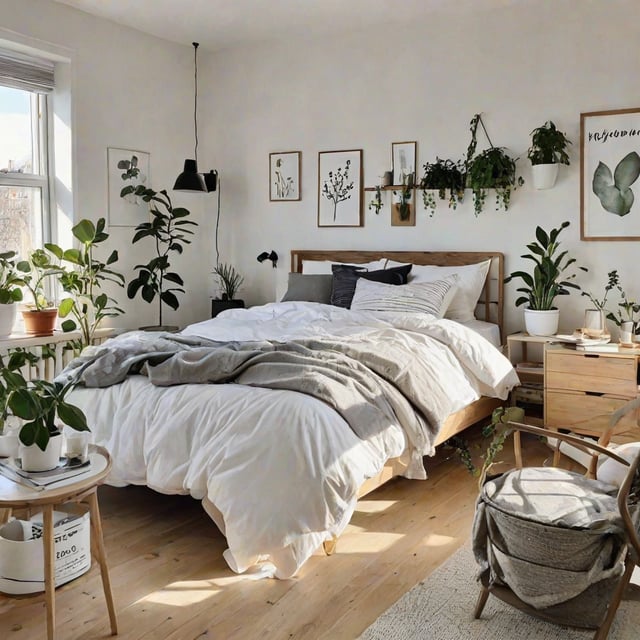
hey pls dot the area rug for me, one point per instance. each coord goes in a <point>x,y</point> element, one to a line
<point>441,608</point>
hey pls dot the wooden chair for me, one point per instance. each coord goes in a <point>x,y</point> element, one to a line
<point>609,592</point>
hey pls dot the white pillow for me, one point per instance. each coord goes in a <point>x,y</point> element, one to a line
<point>321,267</point>
<point>471,279</point>
<point>612,471</point>
<point>422,297</point>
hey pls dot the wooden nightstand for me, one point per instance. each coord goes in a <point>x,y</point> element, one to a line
<point>582,389</point>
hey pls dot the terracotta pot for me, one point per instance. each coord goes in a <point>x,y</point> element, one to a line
<point>40,323</point>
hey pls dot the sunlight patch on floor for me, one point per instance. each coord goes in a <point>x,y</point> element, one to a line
<point>435,540</point>
<point>186,592</point>
<point>374,506</point>
<point>368,542</point>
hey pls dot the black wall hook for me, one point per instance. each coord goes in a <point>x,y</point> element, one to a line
<point>273,256</point>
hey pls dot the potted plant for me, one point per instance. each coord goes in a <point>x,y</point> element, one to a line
<point>376,203</point>
<point>443,176</point>
<point>10,292</point>
<point>493,168</point>
<point>552,276</point>
<point>85,305</point>
<point>42,406</point>
<point>547,151</point>
<point>40,315</point>
<point>626,318</point>
<point>229,281</point>
<point>595,319</point>
<point>169,231</point>
<point>402,206</point>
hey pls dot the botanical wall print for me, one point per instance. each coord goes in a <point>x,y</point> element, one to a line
<point>610,166</point>
<point>284,176</point>
<point>340,188</point>
<point>403,157</point>
<point>129,211</point>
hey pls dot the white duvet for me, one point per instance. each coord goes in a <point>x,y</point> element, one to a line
<point>278,471</point>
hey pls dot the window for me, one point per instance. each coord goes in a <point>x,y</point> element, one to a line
<point>25,83</point>
<point>24,184</point>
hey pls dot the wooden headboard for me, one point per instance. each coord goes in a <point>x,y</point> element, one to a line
<point>491,302</point>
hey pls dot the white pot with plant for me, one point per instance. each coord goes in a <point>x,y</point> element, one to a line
<point>10,292</point>
<point>547,151</point>
<point>626,318</point>
<point>595,318</point>
<point>553,275</point>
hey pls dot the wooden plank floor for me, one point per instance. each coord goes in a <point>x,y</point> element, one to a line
<point>171,582</point>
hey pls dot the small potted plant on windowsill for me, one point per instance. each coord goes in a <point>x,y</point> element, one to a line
<point>552,276</point>
<point>229,281</point>
<point>547,151</point>
<point>10,292</point>
<point>40,315</point>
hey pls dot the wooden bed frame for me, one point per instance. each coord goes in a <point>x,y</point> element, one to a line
<point>490,309</point>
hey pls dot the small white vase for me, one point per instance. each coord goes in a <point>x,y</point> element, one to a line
<point>7,319</point>
<point>34,459</point>
<point>595,324</point>
<point>541,323</point>
<point>628,336</point>
<point>544,175</point>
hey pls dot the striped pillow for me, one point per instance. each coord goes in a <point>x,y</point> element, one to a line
<point>421,297</point>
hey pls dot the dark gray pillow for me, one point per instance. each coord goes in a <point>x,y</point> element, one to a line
<point>309,288</point>
<point>345,278</point>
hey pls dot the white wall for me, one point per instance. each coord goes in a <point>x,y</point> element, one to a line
<point>132,91</point>
<point>519,66</point>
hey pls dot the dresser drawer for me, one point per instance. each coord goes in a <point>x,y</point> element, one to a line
<point>591,372</point>
<point>584,412</point>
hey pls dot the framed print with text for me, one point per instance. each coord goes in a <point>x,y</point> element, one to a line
<point>610,166</point>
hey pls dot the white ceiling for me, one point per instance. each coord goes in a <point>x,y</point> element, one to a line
<point>220,24</point>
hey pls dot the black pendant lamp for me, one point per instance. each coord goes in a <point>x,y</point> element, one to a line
<point>190,179</point>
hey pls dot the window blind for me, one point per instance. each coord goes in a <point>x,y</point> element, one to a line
<point>26,72</point>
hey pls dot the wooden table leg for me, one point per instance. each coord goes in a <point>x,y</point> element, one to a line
<point>5,514</point>
<point>98,545</point>
<point>49,569</point>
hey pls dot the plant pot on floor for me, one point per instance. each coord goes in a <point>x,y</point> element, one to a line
<point>7,319</point>
<point>544,175</point>
<point>541,323</point>
<point>33,458</point>
<point>218,306</point>
<point>40,323</point>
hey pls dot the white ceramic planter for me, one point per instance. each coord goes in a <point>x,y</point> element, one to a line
<point>34,459</point>
<point>544,175</point>
<point>628,336</point>
<point>541,323</point>
<point>7,319</point>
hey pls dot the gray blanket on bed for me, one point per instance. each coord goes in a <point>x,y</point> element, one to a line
<point>369,389</point>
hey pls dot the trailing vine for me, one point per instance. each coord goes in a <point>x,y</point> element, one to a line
<point>376,203</point>
<point>443,175</point>
<point>493,168</point>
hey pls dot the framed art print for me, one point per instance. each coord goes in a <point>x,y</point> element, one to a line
<point>610,167</point>
<point>284,176</point>
<point>403,158</point>
<point>127,167</point>
<point>340,188</point>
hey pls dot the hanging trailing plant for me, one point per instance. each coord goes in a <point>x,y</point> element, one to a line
<point>443,175</point>
<point>493,168</point>
<point>376,203</point>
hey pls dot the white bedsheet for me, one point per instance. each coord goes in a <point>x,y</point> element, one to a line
<point>277,470</point>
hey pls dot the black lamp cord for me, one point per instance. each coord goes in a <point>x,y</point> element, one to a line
<point>218,222</point>
<point>195,103</point>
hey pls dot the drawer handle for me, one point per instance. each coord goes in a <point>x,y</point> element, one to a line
<point>591,355</point>
<point>593,393</point>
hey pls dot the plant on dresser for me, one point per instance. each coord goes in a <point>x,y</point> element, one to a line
<point>626,317</point>
<point>595,324</point>
<point>553,275</point>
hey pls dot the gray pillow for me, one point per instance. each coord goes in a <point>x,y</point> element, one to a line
<point>309,288</point>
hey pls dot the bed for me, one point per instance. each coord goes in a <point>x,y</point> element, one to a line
<point>316,405</point>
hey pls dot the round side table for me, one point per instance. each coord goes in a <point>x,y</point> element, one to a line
<point>80,489</point>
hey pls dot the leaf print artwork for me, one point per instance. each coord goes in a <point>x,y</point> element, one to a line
<point>614,191</point>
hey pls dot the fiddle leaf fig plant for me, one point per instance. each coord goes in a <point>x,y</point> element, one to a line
<point>169,230</point>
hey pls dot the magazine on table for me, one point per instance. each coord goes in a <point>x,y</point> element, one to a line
<point>66,468</point>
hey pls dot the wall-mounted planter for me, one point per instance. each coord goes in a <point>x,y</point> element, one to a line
<point>544,175</point>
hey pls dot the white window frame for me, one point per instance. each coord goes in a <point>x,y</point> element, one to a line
<point>40,121</point>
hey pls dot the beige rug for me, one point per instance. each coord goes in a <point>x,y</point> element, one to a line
<point>441,608</point>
